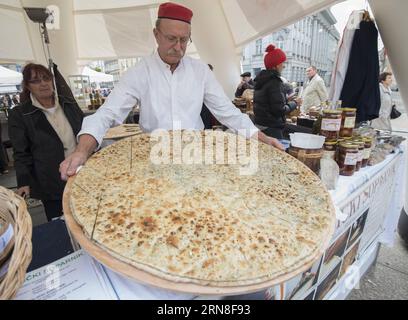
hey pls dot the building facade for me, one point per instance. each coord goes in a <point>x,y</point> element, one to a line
<point>310,41</point>
<point>116,68</point>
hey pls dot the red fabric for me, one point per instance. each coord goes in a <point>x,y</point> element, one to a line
<point>273,57</point>
<point>175,11</point>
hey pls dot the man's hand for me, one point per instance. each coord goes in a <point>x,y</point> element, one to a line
<point>24,191</point>
<point>299,101</point>
<point>87,144</point>
<point>269,140</point>
<point>70,165</point>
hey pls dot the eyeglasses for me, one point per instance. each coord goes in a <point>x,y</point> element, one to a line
<point>173,40</point>
<point>38,81</point>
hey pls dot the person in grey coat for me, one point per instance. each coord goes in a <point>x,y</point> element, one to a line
<point>383,122</point>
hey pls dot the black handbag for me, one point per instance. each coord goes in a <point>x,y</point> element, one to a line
<point>395,113</point>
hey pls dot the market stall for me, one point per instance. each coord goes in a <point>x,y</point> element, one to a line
<point>360,210</point>
<point>367,205</point>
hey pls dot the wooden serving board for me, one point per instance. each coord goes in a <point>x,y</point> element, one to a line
<point>123,131</point>
<point>146,278</point>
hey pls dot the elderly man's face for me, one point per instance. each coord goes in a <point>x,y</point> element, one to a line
<point>172,37</point>
<point>310,72</point>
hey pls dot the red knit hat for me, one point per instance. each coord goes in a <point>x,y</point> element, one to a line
<point>273,57</point>
<point>174,11</point>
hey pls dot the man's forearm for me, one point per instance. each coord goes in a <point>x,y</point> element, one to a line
<point>87,144</point>
<point>262,137</point>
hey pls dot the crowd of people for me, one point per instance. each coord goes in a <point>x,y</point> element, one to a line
<point>9,101</point>
<point>51,137</point>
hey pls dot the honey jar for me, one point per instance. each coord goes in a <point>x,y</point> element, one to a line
<point>360,145</point>
<point>367,151</point>
<point>329,149</point>
<point>348,122</point>
<point>331,124</point>
<point>347,158</point>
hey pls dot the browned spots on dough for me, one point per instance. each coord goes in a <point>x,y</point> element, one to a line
<point>138,204</point>
<point>148,224</point>
<point>176,219</point>
<point>208,262</point>
<point>173,269</point>
<point>130,225</point>
<point>303,239</point>
<point>189,213</point>
<point>173,241</point>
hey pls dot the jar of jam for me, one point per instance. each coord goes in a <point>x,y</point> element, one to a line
<point>331,123</point>
<point>347,158</point>
<point>348,122</point>
<point>329,149</point>
<point>360,145</point>
<point>367,150</point>
<point>339,141</point>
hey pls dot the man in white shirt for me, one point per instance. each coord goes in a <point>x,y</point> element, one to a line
<point>170,90</point>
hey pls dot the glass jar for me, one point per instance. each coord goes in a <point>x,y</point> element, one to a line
<point>347,158</point>
<point>360,145</point>
<point>367,151</point>
<point>348,122</point>
<point>331,123</point>
<point>329,149</point>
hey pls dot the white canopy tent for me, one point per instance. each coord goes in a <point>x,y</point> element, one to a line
<point>10,77</point>
<point>8,89</point>
<point>14,37</point>
<point>122,28</point>
<point>95,76</point>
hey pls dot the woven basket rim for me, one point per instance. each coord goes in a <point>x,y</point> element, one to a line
<point>22,249</point>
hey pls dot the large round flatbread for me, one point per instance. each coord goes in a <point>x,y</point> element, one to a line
<point>123,131</point>
<point>203,223</point>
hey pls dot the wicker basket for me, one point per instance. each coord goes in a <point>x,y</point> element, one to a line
<point>13,209</point>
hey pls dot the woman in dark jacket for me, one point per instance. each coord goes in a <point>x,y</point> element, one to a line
<point>42,131</point>
<point>270,102</point>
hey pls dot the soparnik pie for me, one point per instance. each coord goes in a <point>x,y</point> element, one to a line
<point>203,223</point>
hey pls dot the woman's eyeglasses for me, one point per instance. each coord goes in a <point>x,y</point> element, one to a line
<point>38,81</point>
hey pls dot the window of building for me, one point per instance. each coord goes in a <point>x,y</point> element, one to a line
<point>280,42</point>
<point>258,46</point>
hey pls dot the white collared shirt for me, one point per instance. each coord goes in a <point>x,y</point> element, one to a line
<point>59,122</point>
<point>167,100</point>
